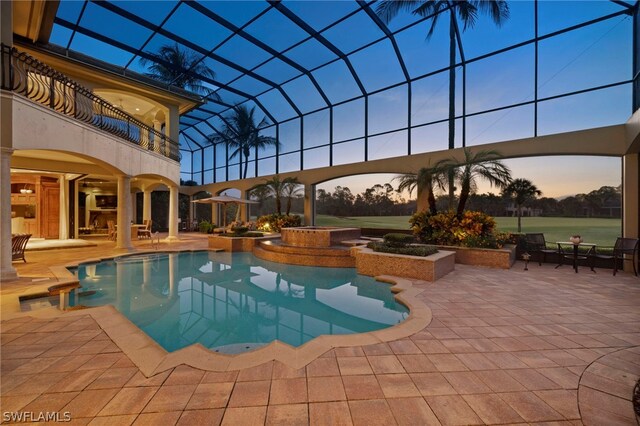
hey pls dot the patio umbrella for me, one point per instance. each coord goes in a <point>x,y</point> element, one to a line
<point>224,200</point>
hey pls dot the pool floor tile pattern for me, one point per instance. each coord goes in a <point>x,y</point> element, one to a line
<point>511,346</point>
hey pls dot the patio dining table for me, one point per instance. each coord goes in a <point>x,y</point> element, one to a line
<point>574,255</point>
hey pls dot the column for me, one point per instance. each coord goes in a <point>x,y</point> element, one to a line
<point>630,199</point>
<point>173,123</point>
<point>172,127</point>
<point>63,227</point>
<point>134,207</point>
<point>7,271</point>
<point>124,213</point>
<point>146,205</point>
<point>309,204</point>
<point>190,216</point>
<point>214,215</point>
<point>173,213</point>
<point>76,209</point>
<point>244,208</point>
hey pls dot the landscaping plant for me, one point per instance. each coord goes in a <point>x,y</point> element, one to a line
<point>473,229</point>
<point>275,222</point>
<point>397,243</point>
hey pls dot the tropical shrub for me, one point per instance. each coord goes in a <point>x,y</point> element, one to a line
<point>251,226</point>
<point>472,229</point>
<point>206,227</point>
<point>398,239</point>
<point>412,250</point>
<point>250,234</point>
<point>275,222</point>
<point>239,230</point>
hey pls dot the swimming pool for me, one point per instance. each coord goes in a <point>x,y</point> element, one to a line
<point>234,302</point>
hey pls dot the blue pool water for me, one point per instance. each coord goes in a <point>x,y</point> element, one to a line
<point>232,302</point>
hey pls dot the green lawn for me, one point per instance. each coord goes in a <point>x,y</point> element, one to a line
<point>602,232</point>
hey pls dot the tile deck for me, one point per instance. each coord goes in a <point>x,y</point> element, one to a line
<point>504,346</point>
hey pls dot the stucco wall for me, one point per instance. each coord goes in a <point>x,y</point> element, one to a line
<point>36,127</point>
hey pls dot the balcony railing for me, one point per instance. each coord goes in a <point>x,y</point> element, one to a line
<point>27,76</point>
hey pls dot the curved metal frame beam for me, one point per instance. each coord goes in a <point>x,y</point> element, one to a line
<point>196,48</point>
<point>240,32</point>
<point>320,38</point>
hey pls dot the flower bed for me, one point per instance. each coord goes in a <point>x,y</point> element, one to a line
<point>472,236</point>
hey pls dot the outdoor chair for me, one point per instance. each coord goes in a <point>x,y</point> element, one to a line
<point>18,244</point>
<point>622,247</point>
<point>146,231</point>
<point>536,244</point>
<point>111,229</point>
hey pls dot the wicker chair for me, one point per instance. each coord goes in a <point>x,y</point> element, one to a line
<point>18,244</point>
<point>623,246</point>
<point>146,231</point>
<point>113,234</point>
<point>535,243</point>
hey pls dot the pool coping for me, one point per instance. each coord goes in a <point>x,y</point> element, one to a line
<point>152,359</point>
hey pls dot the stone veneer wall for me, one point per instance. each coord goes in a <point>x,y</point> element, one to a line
<point>429,268</point>
<point>304,258</point>
<point>318,237</point>
<point>503,258</point>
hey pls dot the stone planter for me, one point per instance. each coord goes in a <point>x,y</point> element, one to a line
<point>429,268</point>
<point>233,244</point>
<point>502,258</point>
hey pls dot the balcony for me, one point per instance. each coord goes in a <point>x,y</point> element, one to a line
<point>24,75</point>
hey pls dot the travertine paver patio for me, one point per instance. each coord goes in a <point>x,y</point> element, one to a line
<point>544,345</point>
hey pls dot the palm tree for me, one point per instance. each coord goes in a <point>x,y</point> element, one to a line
<point>179,67</point>
<point>522,190</point>
<point>292,190</point>
<point>241,133</point>
<point>481,165</point>
<point>279,188</point>
<point>424,182</point>
<point>467,12</point>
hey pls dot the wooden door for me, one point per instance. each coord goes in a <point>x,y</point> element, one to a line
<point>50,212</point>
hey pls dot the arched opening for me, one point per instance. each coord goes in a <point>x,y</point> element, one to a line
<point>148,111</point>
<point>579,195</point>
<point>58,195</point>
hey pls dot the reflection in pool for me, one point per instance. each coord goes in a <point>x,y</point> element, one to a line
<point>232,302</point>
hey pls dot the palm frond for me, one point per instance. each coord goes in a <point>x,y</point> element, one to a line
<point>180,67</point>
<point>407,182</point>
<point>468,13</point>
<point>389,9</point>
<point>498,10</point>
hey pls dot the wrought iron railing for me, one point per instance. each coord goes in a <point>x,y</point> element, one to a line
<point>27,76</point>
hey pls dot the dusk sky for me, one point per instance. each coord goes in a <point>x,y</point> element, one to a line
<point>592,56</point>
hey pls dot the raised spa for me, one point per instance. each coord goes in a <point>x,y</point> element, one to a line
<point>318,236</point>
<point>233,302</point>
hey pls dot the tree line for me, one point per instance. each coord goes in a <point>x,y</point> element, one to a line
<point>385,200</point>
